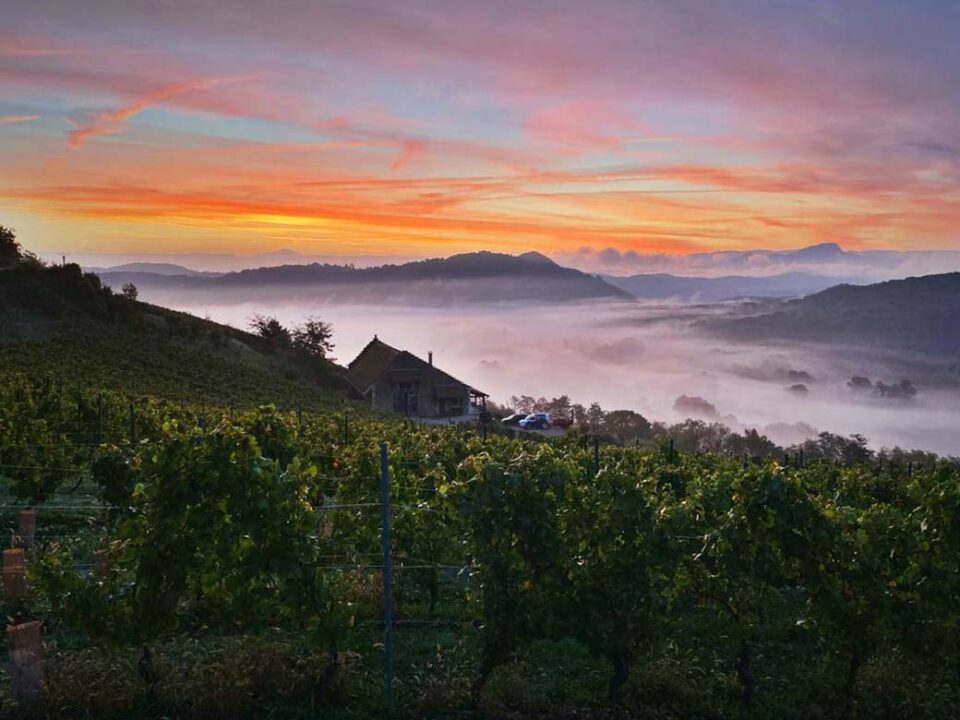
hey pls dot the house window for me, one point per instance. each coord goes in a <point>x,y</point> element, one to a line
<point>450,407</point>
<point>405,398</point>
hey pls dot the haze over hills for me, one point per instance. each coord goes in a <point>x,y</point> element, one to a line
<point>918,314</point>
<point>663,286</point>
<point>827,259</point>
<point>467,278</point>
<point>156,268</point>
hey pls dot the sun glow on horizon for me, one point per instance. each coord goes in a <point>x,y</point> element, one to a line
<point>380,129</point>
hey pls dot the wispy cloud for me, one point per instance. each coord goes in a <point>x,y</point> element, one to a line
<point>108,122</point>
<point>646,127</point>
<point>17,119</point>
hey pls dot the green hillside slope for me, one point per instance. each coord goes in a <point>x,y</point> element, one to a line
<point>58,320</point>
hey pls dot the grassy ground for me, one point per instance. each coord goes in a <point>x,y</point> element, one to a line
<point>58,322</point>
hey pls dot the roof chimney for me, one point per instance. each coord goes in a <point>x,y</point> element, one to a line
<point>430,358</point>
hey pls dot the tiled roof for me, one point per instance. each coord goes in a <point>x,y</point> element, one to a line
<point>377,357</point>
<point>370,364</point>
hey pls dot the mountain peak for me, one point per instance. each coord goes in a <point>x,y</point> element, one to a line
<point>820,251</point>
<point>536,257</point>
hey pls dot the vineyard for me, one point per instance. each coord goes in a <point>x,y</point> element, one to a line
<point>186,560</point>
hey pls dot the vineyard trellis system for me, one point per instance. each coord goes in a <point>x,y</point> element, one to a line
<point>259,519</point>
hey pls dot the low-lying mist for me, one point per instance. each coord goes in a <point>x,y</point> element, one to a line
<point>628,355</point>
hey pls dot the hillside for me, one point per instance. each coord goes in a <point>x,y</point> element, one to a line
<point>60,321</point>
<point>481,277</point>
<point>916,314</point>
<point>663,286</point>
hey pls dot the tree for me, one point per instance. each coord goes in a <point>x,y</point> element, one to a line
<point>751,443</point>
<point>270,329</point>
<point>904,390</point>
<point>523,403</point>
<point>859,382</point>
<point>698,436</point>
<point>836,448</point>
<point>130,291</point>
<point>594,416</point>
<point>10,252</point>
<point>578,413</point>
<point>314,337</point>
<point>627,426</point>
<point>559,406</point>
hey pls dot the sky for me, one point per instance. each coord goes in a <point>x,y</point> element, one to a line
<point>412,129</point>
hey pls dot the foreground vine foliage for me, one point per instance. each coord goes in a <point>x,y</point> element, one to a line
<point>262,521</point>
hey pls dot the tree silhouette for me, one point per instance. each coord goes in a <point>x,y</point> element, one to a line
<point>10,252</point>
<point>314,337</point>
<point>270,329</point>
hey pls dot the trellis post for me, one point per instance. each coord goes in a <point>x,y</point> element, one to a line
<point>387,578</point>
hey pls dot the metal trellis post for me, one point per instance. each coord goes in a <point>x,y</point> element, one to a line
<point>387,579</point>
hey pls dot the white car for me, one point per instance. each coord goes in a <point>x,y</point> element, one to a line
<point>536,421</point>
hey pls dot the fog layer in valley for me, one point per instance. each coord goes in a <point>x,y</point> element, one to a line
<point>642,357</point>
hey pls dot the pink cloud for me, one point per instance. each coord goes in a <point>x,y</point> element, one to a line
<point>582,125</point>
<point>409,150</point>
<point>106,123</point>
<point>16,119</point>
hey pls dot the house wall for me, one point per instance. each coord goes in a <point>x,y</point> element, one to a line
<point>384,390</point>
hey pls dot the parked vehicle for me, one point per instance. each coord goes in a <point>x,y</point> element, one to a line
<point>513,419</point>
<point>536,421</point>
<point>562,423</point>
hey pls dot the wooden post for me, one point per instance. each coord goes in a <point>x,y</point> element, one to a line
<point>346,427</point>
<point>26,661</point>
<point>14,580</point>
<point>596,455</point>
<point>387,578</point>
<point>28,527</point>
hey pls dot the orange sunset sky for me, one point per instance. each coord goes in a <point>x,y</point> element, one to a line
<point>427,128</point>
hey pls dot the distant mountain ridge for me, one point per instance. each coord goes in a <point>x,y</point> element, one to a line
<point>157,268</point>
<point>468,278</point>
<point>918,314</point>
<point>827,259</point>
<point>663,286</point>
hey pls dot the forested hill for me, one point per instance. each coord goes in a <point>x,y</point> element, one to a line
<point>480,277</point>
<point>61,321</point>
<point>916,314</point>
